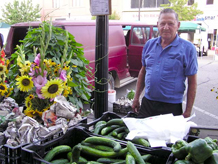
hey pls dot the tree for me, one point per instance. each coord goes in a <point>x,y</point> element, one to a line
<point>20,11</point>
<point>185,13</point>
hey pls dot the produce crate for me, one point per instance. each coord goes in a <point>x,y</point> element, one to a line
<point>188,138</point>
<point>34,153</point>
<point>106,116</point>
<point>12,154</point>
<point>203,132</point>
<point>122,109</point>
<point>162,152</point>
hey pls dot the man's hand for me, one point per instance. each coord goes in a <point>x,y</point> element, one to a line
<point>186,114</point>
<point>135,105</point>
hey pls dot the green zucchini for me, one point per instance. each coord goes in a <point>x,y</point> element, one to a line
<point>130,159</point>
<point>115,121</point>
<point>108,129</point>
<point>82,160</point>
<point>108,160</point>
<point>60,161</point>
<point>121,162</point>
<point>76,152</point>
<point>99,147</point>
<point>99,153</point>
<point>93,162</point>
<point>141,141</point>
<point>134,152</point>
<point>146,157</point>
<point>104,141</point>
<point>98,129</point>
<point>101,122</point>
<point>70,156</point>
<point>121,135</point>
<point>57,150</point>
<point>118,130</point>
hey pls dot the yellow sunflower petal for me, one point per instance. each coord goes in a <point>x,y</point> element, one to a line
<point>52,88</point>
<point>24,83</point>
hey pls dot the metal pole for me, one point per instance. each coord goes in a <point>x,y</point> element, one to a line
<point>101,66</point>
<point>139,10</point>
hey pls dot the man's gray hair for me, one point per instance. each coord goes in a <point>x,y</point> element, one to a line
<point>168,10</point>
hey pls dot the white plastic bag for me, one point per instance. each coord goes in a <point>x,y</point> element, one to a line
<point>159,130</point>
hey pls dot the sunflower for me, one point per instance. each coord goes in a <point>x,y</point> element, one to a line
<point>67,91</point>
<point>7,66</point>
<point>9,92</point>
<point>31,96</point>
<point>28,102</point>
<point>52,88</point>
<point>24,83</point>
<point>3,89</point>
<point>2,69</point>
<point>32,113</point>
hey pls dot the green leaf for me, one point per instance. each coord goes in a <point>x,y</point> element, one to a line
<point>71,84</point>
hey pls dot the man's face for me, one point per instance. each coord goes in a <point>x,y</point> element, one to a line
<point>168,26</point>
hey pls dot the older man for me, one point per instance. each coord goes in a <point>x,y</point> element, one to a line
<point>167,61</point>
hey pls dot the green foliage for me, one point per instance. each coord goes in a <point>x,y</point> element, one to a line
<point>20,11</point>
<point>113,16</point>
<point>131,95</point>
<point>185,13</point>
<point>55,51</point>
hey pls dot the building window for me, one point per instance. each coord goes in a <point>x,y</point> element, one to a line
<point>209,2</point>
<point>191,2</point>
<point>148,3</point>
<point>77,3</point>
<point>56,4</point>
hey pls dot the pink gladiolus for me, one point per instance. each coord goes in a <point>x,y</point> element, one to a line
<point>37,60</point>
<point>32,72</point>
<point>63,75</point>
<point>39,82</point>
<point>38,92</point>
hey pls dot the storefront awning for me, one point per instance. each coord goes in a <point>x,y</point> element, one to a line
<point>190,26</point>
<point>4,25</point>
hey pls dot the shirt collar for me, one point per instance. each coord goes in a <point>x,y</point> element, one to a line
<point>175,42</point>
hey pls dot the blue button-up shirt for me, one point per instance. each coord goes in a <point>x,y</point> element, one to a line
<point>167,69</point>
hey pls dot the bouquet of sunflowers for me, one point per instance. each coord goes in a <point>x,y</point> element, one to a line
<point>52,65</point>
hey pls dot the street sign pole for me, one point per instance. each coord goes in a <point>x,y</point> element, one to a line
<point>101,66</point>
<point>101,9</point>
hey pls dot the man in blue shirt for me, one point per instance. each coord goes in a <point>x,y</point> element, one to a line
<point>167,61</point>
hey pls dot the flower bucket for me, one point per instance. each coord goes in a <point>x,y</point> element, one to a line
<point>111,99</point>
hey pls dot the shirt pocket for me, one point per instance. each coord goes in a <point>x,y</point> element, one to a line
<point>170,68</point>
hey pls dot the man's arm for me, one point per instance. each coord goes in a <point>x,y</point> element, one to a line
<point>139,88</point>
<point>192,87</point>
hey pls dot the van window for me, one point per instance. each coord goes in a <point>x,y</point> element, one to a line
<point>140,35</point>
<point>155,33</point>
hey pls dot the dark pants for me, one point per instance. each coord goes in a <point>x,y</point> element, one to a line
<point>153,108</point>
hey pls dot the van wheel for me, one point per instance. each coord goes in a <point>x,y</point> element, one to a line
<point>110,82</point>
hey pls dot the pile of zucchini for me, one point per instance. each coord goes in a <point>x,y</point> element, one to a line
<point>103,150</point>
<point>116,128</point>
